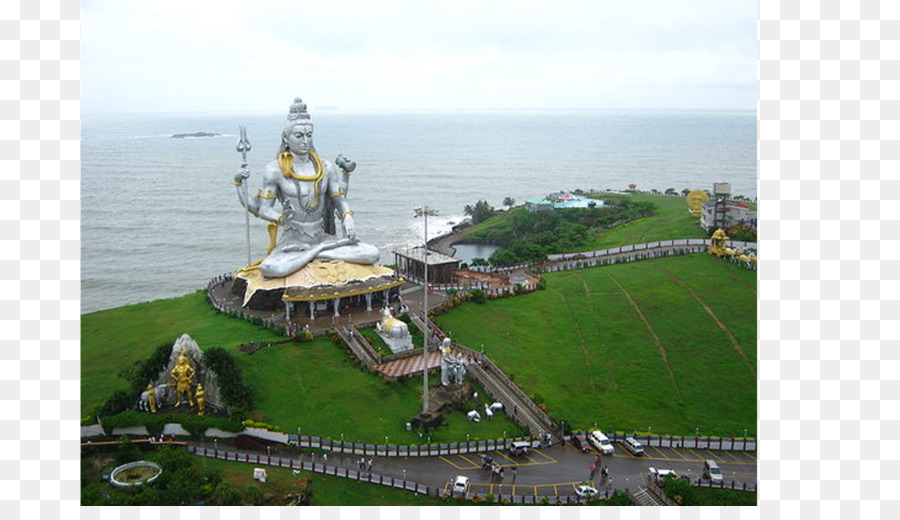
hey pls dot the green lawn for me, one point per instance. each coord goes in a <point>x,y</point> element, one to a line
<point>114,339</point>
<point>326,490</point>
<point>582,348</point>
<point>315,386</point>
<point>672,221</point>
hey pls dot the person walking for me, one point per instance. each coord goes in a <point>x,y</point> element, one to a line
<point>515,471</point>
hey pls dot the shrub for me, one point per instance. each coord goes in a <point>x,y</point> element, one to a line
<point>234,392</point>
<point>119,401</point>
<point>126,451</point>
<point>478,296</point>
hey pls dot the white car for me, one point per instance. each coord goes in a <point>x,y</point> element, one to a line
<point>660,474</point>
<point>460,486</point>
<point>585,491</point>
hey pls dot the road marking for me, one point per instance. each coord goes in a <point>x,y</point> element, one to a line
<point>713,455</point>
<point>732,456</point>
<point>699,457</point>
<point>550,460</point>
<point>448,461</point>
<point>475,464</point>
<point>680,455</point>
<point>660,454</point>
<point>505,457</point>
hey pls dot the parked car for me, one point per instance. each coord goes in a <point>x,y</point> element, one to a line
<point>711,471</point>
<point>519,448</point>
<point>601,442</point>
<point>585,491</point>
<point>579,440</point>
<point>460,486</point>
<point>633,446</point>
<point>660,474</point>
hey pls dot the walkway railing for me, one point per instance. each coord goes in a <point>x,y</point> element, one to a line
<point>688,441</point>
<point>410,450</point>
<point>679,242</point>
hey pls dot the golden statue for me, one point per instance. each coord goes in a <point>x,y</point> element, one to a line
<point>717,243</point>
<point>201,400</point>
<point>151,398</point>
<point>695,200</point>
<point>183,374</point>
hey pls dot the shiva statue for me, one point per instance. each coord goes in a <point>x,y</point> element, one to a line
<point>311,194</point>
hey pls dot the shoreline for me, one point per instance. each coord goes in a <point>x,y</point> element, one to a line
<point>443,244</point>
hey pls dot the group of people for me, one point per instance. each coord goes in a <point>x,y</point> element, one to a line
<point>365,465</point>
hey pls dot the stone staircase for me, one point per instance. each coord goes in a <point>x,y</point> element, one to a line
<point>644,497</point>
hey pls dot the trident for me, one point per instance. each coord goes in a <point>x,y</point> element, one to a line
<point>243,146</point>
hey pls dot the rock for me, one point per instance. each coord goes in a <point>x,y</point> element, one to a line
<point>195,134</point>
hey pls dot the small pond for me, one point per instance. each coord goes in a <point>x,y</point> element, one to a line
<point>466,251</point>
<point>135,473</point>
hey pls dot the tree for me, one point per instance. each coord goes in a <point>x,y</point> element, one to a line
<point>509,202</point>
<point>685,191</point>
<point>671,191</point>
<point>480,212</point>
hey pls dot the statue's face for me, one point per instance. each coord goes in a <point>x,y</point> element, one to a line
<point>299,139</point>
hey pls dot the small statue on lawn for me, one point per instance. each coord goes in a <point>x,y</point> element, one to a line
<point>183,374</point>
<point>201,400</point>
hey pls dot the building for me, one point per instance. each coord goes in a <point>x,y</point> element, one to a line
<point>410,263</point>
<point>726,214</point>
<point>561,200</point>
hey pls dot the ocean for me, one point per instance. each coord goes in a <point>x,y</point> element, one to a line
<point>160,216</point>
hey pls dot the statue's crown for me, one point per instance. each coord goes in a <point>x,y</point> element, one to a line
<point>298,110</point>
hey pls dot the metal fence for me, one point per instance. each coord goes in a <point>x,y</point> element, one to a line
<point>687,441</point>
<point>406,450</point>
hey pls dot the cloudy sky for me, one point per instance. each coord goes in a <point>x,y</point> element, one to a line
<point>227,55</point>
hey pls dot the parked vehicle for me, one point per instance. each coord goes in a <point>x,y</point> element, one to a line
<point>660,474</point>
<point>519,448</point>
<point>579,440</point>
<point>711,471</point>
<point>586,491</point>
<point>460,486</point>
<point>601,442</point>
<point>633,446</point>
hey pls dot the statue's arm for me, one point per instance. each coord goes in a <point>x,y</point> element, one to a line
<point>339,197</point>
<point>268,195</point>
<point>240,183</point>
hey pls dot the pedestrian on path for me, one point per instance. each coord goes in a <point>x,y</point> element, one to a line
<point>515,471</point>
<point>370,464</point>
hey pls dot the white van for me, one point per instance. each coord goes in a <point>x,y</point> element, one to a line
<point>601,442</point>
<point>633,446</point>
<point>519,448</point>
<point>711,471</point>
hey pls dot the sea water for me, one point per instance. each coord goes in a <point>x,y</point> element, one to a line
<point>160,216</point>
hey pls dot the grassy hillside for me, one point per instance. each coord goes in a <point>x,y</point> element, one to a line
<point>672,220</point>
<point>315,386</point>
<point>667,344</point>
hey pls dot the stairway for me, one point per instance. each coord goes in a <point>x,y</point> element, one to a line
<point>643,497</point>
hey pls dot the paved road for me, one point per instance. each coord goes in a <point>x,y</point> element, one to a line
<point>552,470</point>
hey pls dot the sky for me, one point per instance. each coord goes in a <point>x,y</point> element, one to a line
<point>227,55</point>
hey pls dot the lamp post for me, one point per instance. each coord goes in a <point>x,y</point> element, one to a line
<point>425,211</point>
